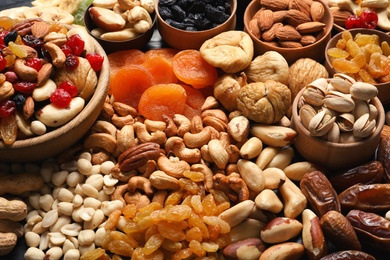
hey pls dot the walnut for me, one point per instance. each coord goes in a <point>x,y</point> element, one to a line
<point>264,102</point>
<point>269,66</point>
<point>231,51</point>
<point>84,78</point>
<point>303,72</point>
<point>226,89</point>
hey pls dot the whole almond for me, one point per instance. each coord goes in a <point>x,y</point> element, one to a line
<point>295,17</point>
<point>275,5</point>
<point>287,33</point>
<point>44,73</point>
<point>265,19</point>
<point>28,108</point>
<point>340,16</point>
<point>279,16</point>
<point>301,5</point>
<point>317,11</point>
<point>254,28</point>
<point>40,29</point>
<point>290,44</point>
<point>269,35</point>
<point>310,27</point>
<point>308,39</point>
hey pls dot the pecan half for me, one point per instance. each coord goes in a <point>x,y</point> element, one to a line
<point>138,156</point>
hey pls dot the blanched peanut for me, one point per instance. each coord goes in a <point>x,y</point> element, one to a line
<point>268,200</point>
<point>72,254</point>
<point>46,202</point>
<point>65,208</point>
<point>32,239</point>
<point>72,229</point>
<point>86,237</point>
<point>61,221</point>
<point>59,178</point>
<point>56,238</point>
<point>89,190</point>
<point>74,178</point>
<point>92,203</point>
<point>65,195</point>
<point>34,253</point>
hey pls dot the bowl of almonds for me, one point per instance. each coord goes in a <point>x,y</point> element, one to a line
<point>296,29</point>
<point>338,121</point>
<point>364,55</point>
<point>54,81</point>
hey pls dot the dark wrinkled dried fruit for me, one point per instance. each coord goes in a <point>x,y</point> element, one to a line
<point>166,2</point>
<point>371,228</point>
<point>165,13</point>
<point>348,255</point>
<point>319,193</point>
<point>384,155</point>
<point>366,197</point>
<point>216,14</point>
<point>339,231</point>
<point>178,13</point>
<point>368,173</point>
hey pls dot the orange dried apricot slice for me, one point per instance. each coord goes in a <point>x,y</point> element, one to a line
<point>129,83</point>
<point>195,100</point>
<point>167,53</point>
<point>119,59</point>
<point>192,69</point>
<point>161,69</point>
<point>162,99</point>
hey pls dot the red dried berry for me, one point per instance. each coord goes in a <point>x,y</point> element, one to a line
<point>76,43</point>
<point>24,87</point>
<point>72,62</point>
<point>353,21</point>
<point>369,19</point>
<point>35,63</point>
<point>66,49</point>
<point>95,60</point>
<point>60,98</point>
<point>3,63</point>
<point>69,87</point>
<point>7,107</point>
<point>2,35</point>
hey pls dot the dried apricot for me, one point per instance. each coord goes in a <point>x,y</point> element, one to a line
<point>162,99</point>
<point>129,83</point>
<point>167,53</point>
<point>119,59</point>
<point>192,69</point>
<point>195,100</point>
<point>161,69</point>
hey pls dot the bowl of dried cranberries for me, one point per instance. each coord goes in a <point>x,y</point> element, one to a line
<point>54,81</point>
<point>187,24</point>
<point>363,54</point>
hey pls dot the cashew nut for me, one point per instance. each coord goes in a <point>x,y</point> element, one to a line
<point>153,125</point>
<point>6,90</point>
<point>148,5</point>
<point>198,139</point>
<point>171,128</point>
<point>137,199</point>
<point>57,55</point>
<point>25,72</point>
<point>144,136</point>
<point>218,153</point>
<point>190,155</point>
<point>128,4</point>
<point>207,173</point>
<point>162,181</point>
<point>173,166</point>
<point>141,19</point>
<point>101,140</point>
<point>141,183</point>
<point>120,190</point>
<point>183,124</point>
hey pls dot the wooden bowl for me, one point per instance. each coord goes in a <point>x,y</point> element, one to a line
<point>52,143</point>
<point>140,42</point>
<point>315,51</point>
<point>335,156</point>
<point>383,88</point>
<point>181,39</point>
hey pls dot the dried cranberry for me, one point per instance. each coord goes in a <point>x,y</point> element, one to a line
<point>60,98</point>
<point>76,44</point>
<point>35,63</point>
<point>32,41</point>
<point>72,62</point>
<point>353,21</point>
<point>7,108</point>
<point>69,87</point>
<point>3,63</point>
<point>95,60</point>
<point>2,35</point>
<point>369,19</point>
<point>66,49</point>
<point>25,87</point>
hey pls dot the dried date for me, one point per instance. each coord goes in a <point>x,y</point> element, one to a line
<point>366,197</point>
<point>368,173</point>
<point>383,155</point>
<point>319,193</point>
<point>348,255</point>
<point>371,228</point>
<point>337,228</point>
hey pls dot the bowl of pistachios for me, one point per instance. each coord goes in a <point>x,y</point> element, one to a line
<point>338,121</point>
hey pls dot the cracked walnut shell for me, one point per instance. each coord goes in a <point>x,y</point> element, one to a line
<point>264,102</point>
<point>231,51</point>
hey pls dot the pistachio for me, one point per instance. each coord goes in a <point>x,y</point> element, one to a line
<point>363,91</point>
<point>321,123</point>
<point>363,126</point>
<point>339,101</point>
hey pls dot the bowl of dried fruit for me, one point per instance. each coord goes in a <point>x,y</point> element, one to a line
<point>122,25</point>
<point>338,121</point>
<point>54,81</point>
<point>364,55</point>
<point>296,29</point>
<point>187,26</point>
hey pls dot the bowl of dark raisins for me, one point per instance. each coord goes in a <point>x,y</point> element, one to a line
<point>186,24</point>
<point>293,32</point>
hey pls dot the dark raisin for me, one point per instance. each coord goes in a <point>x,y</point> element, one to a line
<point>10,37</point>
<point>185,4</point>
<point>202,23</point>
<point>166,2</point>
<point>189,20</point>
<point>72,62</point>
<point>191,29</point>
<point>197,7</point>
<point>32,41</point>
<point>215,14</point>
<point>178,13</point>
<point>176,24</point>
<point>165,13</point>
<point>19,100</point>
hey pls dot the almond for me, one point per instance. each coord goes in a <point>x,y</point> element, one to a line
<point>287,33</point>
<point>339,16</point>
<point>279,16</point>
<point>317,11</point>
<point>310,27</point>
<point>254,28</point>
<point>269,35</point>
<point>40,29</point>
<point>290,44</point>
<point>308,39</point>
<point>295,17</point>
<point>265,19</point>
<point>301,5</point>
<point>28,108</point>
<point>275,5</point>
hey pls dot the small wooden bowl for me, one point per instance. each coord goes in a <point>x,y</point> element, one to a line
<point>383,88</point>
<point>315,51</point>
<point>335,156</point>
<point>52,143</point>
<point>181,39</point>
<point>140,42</point>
